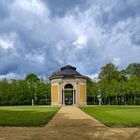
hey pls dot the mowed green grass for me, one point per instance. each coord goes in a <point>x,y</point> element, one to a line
<point>118,116</point>
<point>26,115</point>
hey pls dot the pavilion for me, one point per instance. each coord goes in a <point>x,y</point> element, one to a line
<point>68,87</point>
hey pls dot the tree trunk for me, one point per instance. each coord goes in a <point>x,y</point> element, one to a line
<point>134,100</point>
<point>116,100</point>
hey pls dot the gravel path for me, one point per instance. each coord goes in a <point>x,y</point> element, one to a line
<point>70,123</point>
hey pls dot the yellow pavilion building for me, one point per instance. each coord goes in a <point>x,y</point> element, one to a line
<point>68,87</point>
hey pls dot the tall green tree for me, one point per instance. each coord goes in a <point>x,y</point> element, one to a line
<point>133,69</point>
<point>91,91</point>
<point>109,72</point>
<point>32,78</point>
<point>4,91</point>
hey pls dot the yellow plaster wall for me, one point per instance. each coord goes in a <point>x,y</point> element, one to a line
<point>54,93</point>
<point>82,93</point>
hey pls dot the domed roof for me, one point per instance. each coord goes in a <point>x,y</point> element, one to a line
<point>66,71</point>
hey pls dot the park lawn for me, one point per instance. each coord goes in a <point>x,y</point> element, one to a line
<point>115,116</point>
<point>26,115</point>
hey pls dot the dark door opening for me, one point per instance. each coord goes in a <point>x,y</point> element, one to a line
<point>68,93</point>
<point>68,97</point>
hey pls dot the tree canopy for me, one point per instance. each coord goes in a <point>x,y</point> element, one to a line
<point>21,92</point>
<point>117,87</point>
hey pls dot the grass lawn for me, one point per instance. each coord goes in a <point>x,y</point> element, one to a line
<point>26,115</point>
<point>120,116</point>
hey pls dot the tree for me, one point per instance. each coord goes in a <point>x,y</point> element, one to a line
<point>133,69</point>
<point>91,91</point>
<point>4,91</point>
<point>42,93</point>
<point>109,72</point>
<point>32,80</point>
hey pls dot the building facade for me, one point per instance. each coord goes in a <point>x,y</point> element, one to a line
<point>68,87</point>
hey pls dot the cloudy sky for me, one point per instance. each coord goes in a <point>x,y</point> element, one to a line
<point>40,36</point>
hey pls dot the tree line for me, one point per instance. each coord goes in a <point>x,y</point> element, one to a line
<point>115,87</point>
<point>28,91</point>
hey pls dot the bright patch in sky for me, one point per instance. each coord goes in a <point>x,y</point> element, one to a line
<point>80,42</point>
<point>5,44</point>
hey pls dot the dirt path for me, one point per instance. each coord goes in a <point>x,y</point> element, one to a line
<point>70,123</point>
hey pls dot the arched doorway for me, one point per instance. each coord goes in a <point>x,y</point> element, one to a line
<point>68,93</point>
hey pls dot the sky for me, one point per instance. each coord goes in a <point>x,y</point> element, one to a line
<point>40,36</point>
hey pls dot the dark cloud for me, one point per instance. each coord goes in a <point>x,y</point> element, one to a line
<point>61,7</point>
<point>114,11</point>
<point>4,9</point>
<point>135,37</point>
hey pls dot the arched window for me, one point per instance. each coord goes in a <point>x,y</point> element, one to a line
<point>68,86</point>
